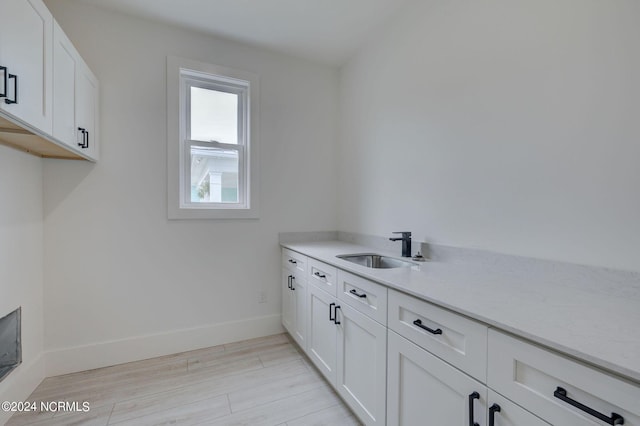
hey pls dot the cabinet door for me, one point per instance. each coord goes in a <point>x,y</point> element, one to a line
<point>26,45</point>
<point>288,308</point>
<point>65,63</point>
<point>87,110</point>
<point>322,332</point>
<point>506,413</point>
<point>362,361</point>
<point>424,390</point>
<point>299,296</point>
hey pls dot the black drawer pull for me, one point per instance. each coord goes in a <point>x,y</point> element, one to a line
<point>292,279</point>
<point>293,261</point>
<point>615,419</point>
<point>330,318</point>
<point>15,90</point>
<point>319,275</point>
<point>335,315</point>
<point>4,86</point>
<point>355,293</point>
<point>474,395</point>
<point>289,281</point>
<point>495,408</point>
<point>418,323</point>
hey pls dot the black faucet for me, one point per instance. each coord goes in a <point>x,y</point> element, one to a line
<point>406,243</point>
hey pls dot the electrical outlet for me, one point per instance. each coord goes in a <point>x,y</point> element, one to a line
<point>262,297</point>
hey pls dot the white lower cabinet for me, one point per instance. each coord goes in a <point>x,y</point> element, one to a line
<point>350,349</point>
<point>362,364</point>
<point>322,332</point>
<point>424,390</point>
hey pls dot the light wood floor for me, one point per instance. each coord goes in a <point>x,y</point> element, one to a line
<point>265,381</point>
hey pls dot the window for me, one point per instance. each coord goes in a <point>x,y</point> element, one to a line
<point>212,152</point>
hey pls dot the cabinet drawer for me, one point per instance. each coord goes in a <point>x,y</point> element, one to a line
<point>323,276</point>
<point>458,340</point>
<point>366,296</point>
<point>556,388</point>
<point>294,261</point>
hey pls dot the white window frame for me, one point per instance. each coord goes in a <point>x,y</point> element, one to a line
<point>181,75</point>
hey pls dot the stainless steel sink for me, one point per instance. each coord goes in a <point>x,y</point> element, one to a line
<point>373,260</point>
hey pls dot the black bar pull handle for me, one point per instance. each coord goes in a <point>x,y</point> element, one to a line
<point>615,419</point>
<point>355,293</point>
<point>495,408</point>
<point>331,305</point>
<point>86,144</point>
<point>335,315</point>
<point>15,90</point>
<point>289,281</point>
<point>82,130</point>
<point>4,86</point>
<point>292,280</point>
<point>474,395</point>
<point>319,275</point>
<point>418,323</point>
<point>293,261</point>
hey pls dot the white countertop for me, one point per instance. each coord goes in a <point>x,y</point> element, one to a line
<point>586,315</point>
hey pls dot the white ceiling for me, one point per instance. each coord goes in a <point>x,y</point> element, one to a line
<point>328,31</point>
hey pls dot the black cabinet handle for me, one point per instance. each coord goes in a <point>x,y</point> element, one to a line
<point>615,419</point>
<point>319,275</point>
<point>289,281</point>
<point>355,293</point>
<point>292,279</point>
<point>4,73</point>
<point>418,323</point>
<point>83,131</point>
<point>86,144</point>
<point>474,395</point>
<point>292,261</point>
<point>335,315</point>
<point>495,408</point>
<point>15,90</point>
<point>330,306</point>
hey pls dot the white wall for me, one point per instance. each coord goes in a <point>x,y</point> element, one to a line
<point>21,283</point>
<point>510,126</point>
<point>122,281</point>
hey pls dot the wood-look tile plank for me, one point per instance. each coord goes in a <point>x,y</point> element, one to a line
<point>280,387</point>
<point>188,414</point>
<point>206,389</point>
<point>337,415</point>
<point>281,410</point>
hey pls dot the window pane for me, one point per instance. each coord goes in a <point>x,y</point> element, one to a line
<point>214,175</point>
<point>214,116</point>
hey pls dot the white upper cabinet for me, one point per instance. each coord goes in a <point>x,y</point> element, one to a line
<point>49,98</point>
<point>87,111</point>
<point>26,56</point>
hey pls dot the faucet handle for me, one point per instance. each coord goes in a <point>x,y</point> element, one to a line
<point>405,234</point>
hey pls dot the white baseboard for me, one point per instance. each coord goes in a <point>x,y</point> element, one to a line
<point>18,385</point>
<point>87,357</point>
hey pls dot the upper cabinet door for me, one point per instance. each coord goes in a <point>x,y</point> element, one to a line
<point>65,63</point>
<point>26,47</point>
<point>87,121</point>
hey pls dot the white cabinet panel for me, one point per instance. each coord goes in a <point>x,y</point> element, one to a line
<point>288,302</point>
<point>65,64</point>
<point>26,48</point>
<point>322,332</point>
<point>458,340</point>
<point>87,120</point>
<point>422,389</point>
<point>366,296</point>
<point>534,378</point>
<point>362,362</point>
<point>294,306</point>
<point>323,276</point>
